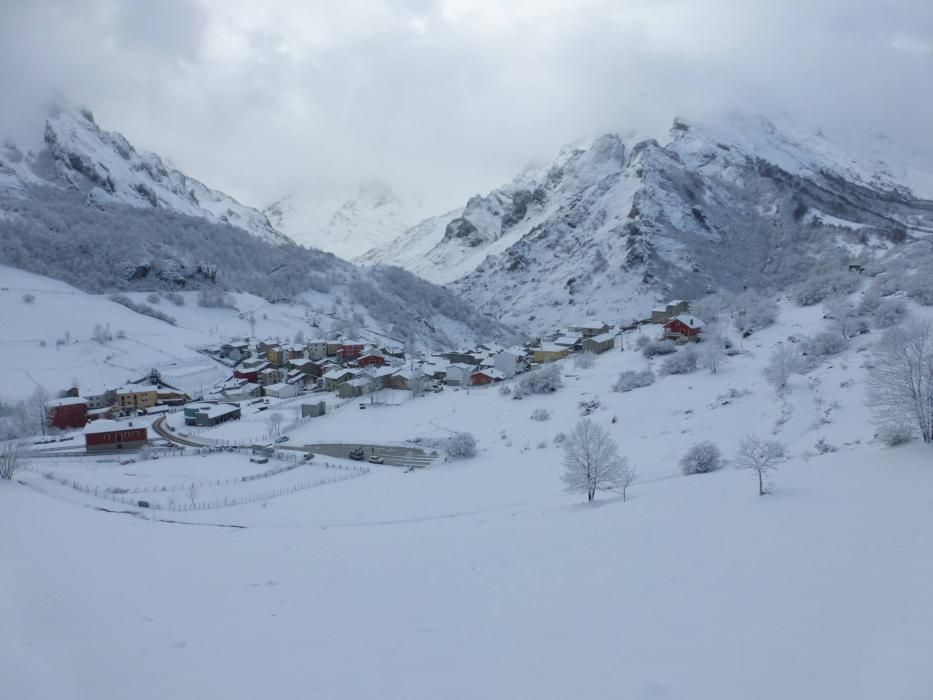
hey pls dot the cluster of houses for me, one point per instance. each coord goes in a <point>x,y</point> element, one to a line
<point>79,407</point>
<point>348,367</point>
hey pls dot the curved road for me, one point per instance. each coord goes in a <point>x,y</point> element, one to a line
<point>394,455</point>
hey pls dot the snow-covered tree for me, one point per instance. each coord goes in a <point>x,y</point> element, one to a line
<point>785,361</point>
<point>11,457</point>
<point>275,423</point>
<point>713,348</point>
<point>633,379</point>
<point>702,458</point>
<point>760,456</point>
<point>845,318</point>
<point>591,460</point>
<point>36,408</point>
<point>461,446</point>
<point>684,362</point>
<point>900,379</point>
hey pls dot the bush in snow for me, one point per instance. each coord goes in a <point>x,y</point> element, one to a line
<point>894,435</point>
<point>559,438</point>
<point>540,414</point>
<point>632,379</point>
<point>174,297</point>
<point>641,341</point>
<point>785,360</point>
<point>823,447</point>
<point>153,298</point>
<point>658,347</point>
<point>702,458</point>
<point>752,312</point>
<point>889,312</point>
<point>142,308</point>
<point>823,344</point>
<point>819,287</point>
<point>542,381</point>
<point>29,298</point>
<point>505,390</point>
<point>461,446</point>
<point>584,360</point>
<point>684,362</point>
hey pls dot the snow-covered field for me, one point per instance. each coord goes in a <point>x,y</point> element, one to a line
<point>49,342</point>
<point>482,578</point>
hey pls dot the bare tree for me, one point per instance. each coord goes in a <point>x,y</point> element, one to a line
<point>900,380</point>
<point>11,454</point>
<point>591,461</point>
<point>275,423</point>
<point>627,477</point>
<point>760,456</point>
<point>193,494</point>
<point>845,318</point>
<point>713,347</point>
<point>251,320</point>
<point>785,361</point>
<point>101,333</point>
<point>36,408</point>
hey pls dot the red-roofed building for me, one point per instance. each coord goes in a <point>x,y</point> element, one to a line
<point>69,412</point>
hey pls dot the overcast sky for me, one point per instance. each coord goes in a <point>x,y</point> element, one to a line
<point>449,97</point>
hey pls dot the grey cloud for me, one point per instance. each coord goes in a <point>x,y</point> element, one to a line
<point>451,97</point>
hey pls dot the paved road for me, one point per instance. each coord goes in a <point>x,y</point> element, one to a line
<point>159,427</point>
<point>394,455</point>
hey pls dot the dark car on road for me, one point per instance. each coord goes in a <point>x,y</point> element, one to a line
<point>357,454</point>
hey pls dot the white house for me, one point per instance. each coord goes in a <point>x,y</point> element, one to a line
<point>282,390</point>
<point>507,361</point>
<point>459,374</point>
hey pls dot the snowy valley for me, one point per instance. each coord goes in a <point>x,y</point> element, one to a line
<point>654,436</point>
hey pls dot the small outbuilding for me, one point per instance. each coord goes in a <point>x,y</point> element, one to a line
<point>599,343</point>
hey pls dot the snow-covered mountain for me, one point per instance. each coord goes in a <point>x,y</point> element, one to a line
<point>608,227</point>
<point>372,216</point>
<point>90,210</point>
<point>78,154</point>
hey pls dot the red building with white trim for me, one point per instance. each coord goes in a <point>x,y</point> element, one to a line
<point>683,328</point>
<point>106,435</point>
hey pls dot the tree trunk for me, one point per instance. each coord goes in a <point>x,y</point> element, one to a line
<point>761,485</point>
<point>590,495</point>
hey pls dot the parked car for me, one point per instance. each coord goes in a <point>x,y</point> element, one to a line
<point>357,454</point>
<point>362,406</point>
<point>282,438</point>
<point>376,459</point>
<point>308,456</point>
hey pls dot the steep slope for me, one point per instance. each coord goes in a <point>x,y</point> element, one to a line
<point>725,207</point>
<point>346,226</point>
<point>91,211</point>
<point>77,154</point>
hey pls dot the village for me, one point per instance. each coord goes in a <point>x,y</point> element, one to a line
<point>265,372</point>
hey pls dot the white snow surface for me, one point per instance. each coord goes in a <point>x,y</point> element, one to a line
<point>347,226</point>
<point>482,577</point>
<point>109,168</point>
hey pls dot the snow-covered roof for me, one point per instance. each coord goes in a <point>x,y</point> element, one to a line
<point>688,321</point>
<point>108,426</point>
<point>338,373</point>
<point>551,347</point>
<point>136,389</point>
<point>277,387</point>
<point>590,324</point>
<point>602,337</point>
<point>65,401</point>
<point>567,340</point>
<point>491,373</point>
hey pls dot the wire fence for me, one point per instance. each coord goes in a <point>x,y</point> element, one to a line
<point>340,473</point>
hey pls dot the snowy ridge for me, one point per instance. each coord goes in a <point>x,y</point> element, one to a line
<point>80,155</point>
<point>607,228</point>
<point>346,226</point>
